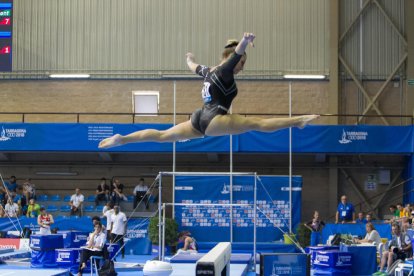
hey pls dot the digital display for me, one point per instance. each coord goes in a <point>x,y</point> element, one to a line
<point>6,27</point>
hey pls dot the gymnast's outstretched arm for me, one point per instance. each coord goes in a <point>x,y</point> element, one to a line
<point>191,62</point>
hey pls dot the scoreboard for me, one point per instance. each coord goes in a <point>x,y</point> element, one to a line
<point>6,26</point>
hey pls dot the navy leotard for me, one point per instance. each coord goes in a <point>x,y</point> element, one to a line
<point>218,92</point>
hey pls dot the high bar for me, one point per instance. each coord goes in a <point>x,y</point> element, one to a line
<point>205,204</point>
<point>207,173</point>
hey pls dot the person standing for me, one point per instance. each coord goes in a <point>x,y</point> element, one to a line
<point>108,211</point>
<point>44,220</point>
<point>33,210</point>
<point>118,228</point>
<point>76,202</point>
<point>345,212</point>
<point>29,189</point>
<point>315,225</point>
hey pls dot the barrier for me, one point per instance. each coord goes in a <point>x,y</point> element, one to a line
<point>216,262</point>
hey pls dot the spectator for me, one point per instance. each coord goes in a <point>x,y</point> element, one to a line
<point>118,228</point>
<point>108,211</point>
<point>12,209</point>
<point>372,235</point>
<point>76,203</point>
<point>405,224</point>
<point>368,217</point>
<point>141,194</point>
<point>44,220</point>
<point>315,225</point>
<point>33,210</point>
<point>96,220</point>
<point>345,212</point>
<point>2,212</point>
<point>400,209</point>
<point>29,189</point>
<point>117,191</point>
<point>20,200</point>
<point>102,192</point>
<point>360,218</point>
<point>94,246</point>
<point>189,243</point>
<point>10,188</point>
<point>407,210</point>
<point>398,248</point>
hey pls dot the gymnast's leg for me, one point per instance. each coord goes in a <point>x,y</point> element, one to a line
<point>181,131</point>
<point>237,124</point>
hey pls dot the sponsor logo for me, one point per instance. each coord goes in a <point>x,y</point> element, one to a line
<point>9,133</point>
<point>10,243</point>
<point>350,136</point>
<point>63,256</point>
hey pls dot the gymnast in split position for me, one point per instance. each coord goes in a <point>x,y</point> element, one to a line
<point>219,90</point>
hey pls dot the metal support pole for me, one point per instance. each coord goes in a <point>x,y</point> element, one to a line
<point>174,153</point>
<point>254,221</point>
<point>159,215</point>
<point>163,232</point>
<point>290,159</point>
<point>231,185</point>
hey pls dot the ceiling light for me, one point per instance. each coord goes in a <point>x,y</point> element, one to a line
<point>69,76</point>
<point>304,77</point>
<point>58,173</point>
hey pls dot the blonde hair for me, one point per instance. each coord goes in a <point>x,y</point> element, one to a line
<point>229,48</point>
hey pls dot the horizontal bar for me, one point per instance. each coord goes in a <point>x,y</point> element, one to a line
<point>205,173</point>
<point>205,204</point>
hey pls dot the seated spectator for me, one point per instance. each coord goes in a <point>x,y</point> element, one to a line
<point>2,212</point>
<point>76,203</point>
<point>33,209</point>
<point>345,211</point>
<point>360,218</point>
<point>368,217</point>
<point>117,191</point>
<point>398,248</point>
<point>407,210</point>
<point>29,189</point>
<point>405,224</point>
<point>189,243</point>
<point>372,235</point>
<point>20,200</point>
<point>141,194</point>
<point>44,220</point>
<point>12,209</point>
<point>102,192</point>
<point>10,188</point>
<point>401,212</point>
<point>94,246</point>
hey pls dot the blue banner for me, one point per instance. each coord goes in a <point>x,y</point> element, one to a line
<point>137,241</point>
<point>212,223</point>
<point>312,139</point>
<point>283,264</point>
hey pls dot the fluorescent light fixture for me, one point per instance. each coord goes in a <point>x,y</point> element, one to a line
<point>58,173</point>
<point>70,76</point>
<point>304,77</point>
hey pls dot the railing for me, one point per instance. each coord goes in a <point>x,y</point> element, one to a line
<point>404,119</point>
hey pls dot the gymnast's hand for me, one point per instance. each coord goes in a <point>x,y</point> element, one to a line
<point>190,57</point>
<point>249,37</point>
<point>111,142</point>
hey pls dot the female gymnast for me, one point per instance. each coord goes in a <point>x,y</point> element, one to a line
<point>218,92</point>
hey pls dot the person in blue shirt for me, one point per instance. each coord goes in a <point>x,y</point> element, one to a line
<point>10,188</point>
<point>345,212</point>
<point>361,218</point>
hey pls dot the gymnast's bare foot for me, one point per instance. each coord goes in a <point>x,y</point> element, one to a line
<point>110,142</point>
<point>305,119</point>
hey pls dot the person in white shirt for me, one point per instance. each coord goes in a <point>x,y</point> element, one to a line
<point>108,211</point>
<point>118,228</point>
<point>76,202</point>
<point>94,246</point>
<point>12,209</point>
<point>372,235</point>
<point>29,189</point>
<point>140,194</point>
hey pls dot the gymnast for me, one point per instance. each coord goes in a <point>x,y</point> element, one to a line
<point>219,90</point>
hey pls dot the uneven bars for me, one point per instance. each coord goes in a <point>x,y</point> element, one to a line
<point>205,204</point>
<point>207,173</point>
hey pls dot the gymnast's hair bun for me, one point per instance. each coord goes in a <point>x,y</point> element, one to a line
<point>231,43</point>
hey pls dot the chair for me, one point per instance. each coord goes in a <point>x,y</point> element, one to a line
<point>41,198</point>
<point>55,198</point>
<point>66,198</point>
<point>91,198</point>
<point>52,208</point>
<point>65,208</point>
<point>89,208</point>
<point>130,198</point>
<point>99,208</point>
<point>94,266</point>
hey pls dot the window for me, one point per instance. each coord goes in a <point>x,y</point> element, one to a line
<point>145,103</point>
